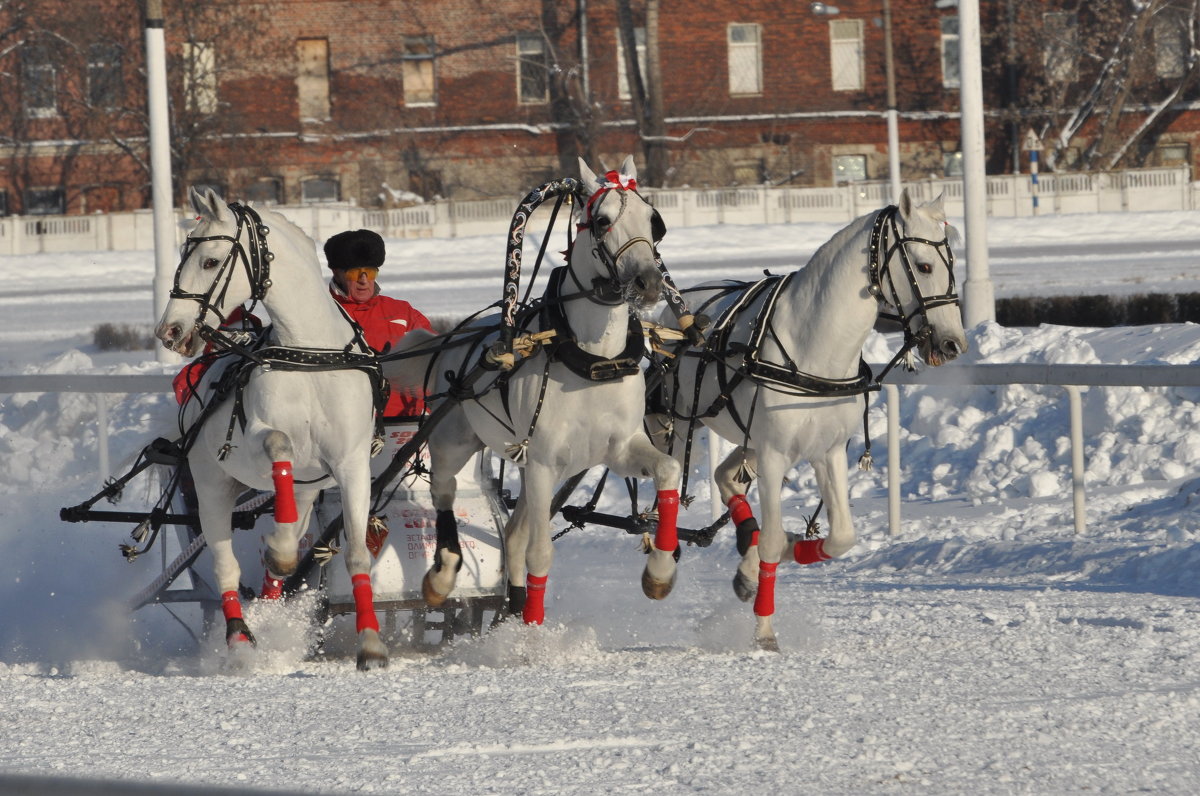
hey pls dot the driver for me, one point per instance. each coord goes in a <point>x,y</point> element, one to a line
<point>355,257</point>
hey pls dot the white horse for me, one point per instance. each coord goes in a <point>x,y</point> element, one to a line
<point>284,426</point>
<point>575,403</point>
<point>781,375</point>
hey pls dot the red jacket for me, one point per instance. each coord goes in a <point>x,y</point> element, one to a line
<point>384,320</point>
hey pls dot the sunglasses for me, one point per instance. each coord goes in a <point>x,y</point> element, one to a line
<point>352,274</point>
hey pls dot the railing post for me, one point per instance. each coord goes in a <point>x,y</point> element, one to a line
<point>102,435</point>
<point>893,457</point>
<point>1077,468</point>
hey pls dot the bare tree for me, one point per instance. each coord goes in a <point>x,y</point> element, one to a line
<point>1097,81</point>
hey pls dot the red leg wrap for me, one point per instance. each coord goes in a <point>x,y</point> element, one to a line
<point>285,493</point>
<point>666,536</point>
<point>534,612</point>
<point>231,606</point>
<point>764,600</point>
<point>811,551</point>
<point>739,509</point>
<point>272,588</point>
<point>739,512</point>
<point>364,603</point>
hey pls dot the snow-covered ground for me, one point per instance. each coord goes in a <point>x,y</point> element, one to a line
<point>986,649</point>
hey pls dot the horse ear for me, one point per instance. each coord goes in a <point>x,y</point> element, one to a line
<point>937,206</point>
<point>590,183</point>
<point>209,204</point>
<point>628,168</point>
<point>905,204</point>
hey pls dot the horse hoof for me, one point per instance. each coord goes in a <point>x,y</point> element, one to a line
<point>767,644</point>
<point>372,654</point>
<point>238,635</point>
<point>370,661</point>
<point>656,589</point>
<point>432,598</point>
<point>744,587</point>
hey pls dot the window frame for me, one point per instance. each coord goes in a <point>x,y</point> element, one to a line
<point>413,65</point>
<point>104,75</point>
<point>320,178</point>
<point>312,86</point>
<point>57,191</point>
<point>525,77</point>
<point>736,51</point>
<point>858,158</point>
<point>39,83</point>
<point>951,68</point>
<point>200,76</point>
<point>1060,52</point>
<point>847,49</point>
<point>624,91</point>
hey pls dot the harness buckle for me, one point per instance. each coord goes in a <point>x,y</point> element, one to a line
<point>612,369</point>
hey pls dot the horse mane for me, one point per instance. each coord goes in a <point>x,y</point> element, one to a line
<point>814,272</point>
<point>278,221</point>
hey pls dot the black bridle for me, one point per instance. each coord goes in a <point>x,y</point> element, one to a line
<point>254,258</point>
<point>609,291</point>
<point>886,242</point>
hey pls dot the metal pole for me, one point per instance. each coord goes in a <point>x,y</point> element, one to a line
<point>1077,467</point>
<point>893,459</point>
<point>893,117</point>
<point>978,296</point>
<point>1033,178</point>
<point>160,164</point>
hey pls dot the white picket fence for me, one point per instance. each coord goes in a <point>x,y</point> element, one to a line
<point>1007,195</point>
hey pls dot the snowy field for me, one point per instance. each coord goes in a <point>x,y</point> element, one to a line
<point>987,649</point>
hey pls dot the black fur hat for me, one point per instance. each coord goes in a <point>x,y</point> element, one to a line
<point>360,248</point>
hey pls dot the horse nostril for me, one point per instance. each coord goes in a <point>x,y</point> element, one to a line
<point>951,347</point>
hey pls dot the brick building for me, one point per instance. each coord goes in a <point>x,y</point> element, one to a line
<point>375,102</point>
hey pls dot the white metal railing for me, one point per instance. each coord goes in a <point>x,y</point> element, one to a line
<point>1070,377</point>
<point>1007,195</point>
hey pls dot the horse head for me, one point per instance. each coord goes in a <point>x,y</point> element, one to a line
<point>621,230</point>
<point>913,273</point>
<point>221,266</point>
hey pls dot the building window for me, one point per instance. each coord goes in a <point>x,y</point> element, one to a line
<point>952,164</point>
<point>1173,155</point>
<point>45,202</point>
<point>749,172</point>
<point>104,76</point>
<point>417,67</point>
<point>319,190</point>
<point>1061,54</point>
<point>312,79</point>
<point>1170,44</point>
<point>39,82</point>
<point>849,168</point>
<point>951,74</point>
<point>846,54</point>
<point>3,203</point>
<point>745,59</point>
<point>265,191</point>
<point>532,83</point>
<point>200,76</point>
<point>624,89</point>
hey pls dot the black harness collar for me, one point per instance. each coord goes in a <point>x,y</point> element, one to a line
<point>564,346</point>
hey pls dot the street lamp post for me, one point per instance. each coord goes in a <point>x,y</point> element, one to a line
<point>892,115</point>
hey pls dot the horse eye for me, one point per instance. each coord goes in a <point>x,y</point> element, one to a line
<point>210,263</point>
<point>602,222</point>
<point>925,268</point>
